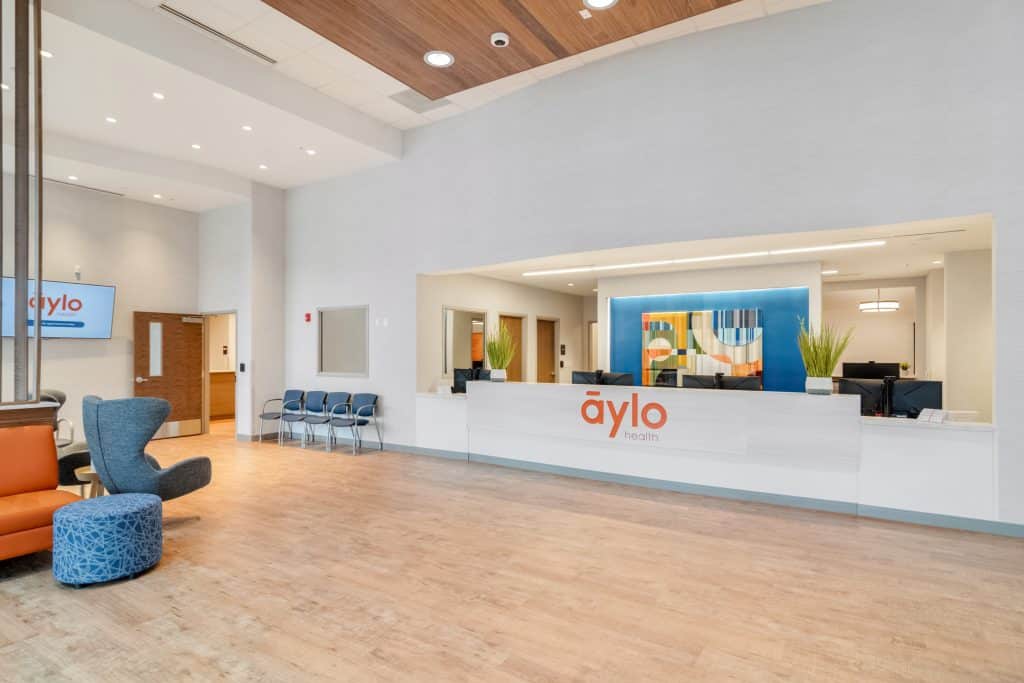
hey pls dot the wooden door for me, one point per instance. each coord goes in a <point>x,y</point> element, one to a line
<point>169,364</point>
<point>546,371</point>
<point>515,326</point>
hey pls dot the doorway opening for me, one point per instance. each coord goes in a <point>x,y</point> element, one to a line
<point>221,340</point>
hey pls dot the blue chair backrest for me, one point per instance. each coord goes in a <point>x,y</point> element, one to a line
<point>117,433</point>
<point>292,400</point>
<point>361,404</point>
<point>315,402</point>
<point>337,398</point>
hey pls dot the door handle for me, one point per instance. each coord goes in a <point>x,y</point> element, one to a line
<point>140,380</point>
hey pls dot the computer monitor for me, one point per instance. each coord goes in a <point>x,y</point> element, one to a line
<point>871,392</point>
<point>583,377</point>
<point>459,378</point>
<point>741,383</point>
<point>870,370</point>
<point>619,378</point>
<point>911,396</point>
<point>667,378</point>
<point>700,382</point>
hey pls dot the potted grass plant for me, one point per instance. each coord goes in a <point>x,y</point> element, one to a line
<point>501,348</point>
<point>821,351</point>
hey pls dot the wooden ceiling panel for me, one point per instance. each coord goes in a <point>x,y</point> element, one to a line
<point>393,35</point>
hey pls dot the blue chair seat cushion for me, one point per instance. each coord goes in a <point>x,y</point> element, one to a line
<point>317,419</point>
<point>108,538</point>
<point>293,417</point>
<point>349,421</point>
<point>270,416</point>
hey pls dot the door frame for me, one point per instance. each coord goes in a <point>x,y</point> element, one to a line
<point>206,366</point>
<point>556,337</point>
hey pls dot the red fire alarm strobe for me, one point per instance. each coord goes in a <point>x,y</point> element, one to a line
<point>309,317</point>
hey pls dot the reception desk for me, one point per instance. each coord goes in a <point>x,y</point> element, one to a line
<point>786,448</point>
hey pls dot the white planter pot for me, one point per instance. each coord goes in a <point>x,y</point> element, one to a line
<point>498,375</point>
<point>819,385</point>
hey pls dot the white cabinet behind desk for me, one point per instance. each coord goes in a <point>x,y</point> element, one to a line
<point>785,444</point>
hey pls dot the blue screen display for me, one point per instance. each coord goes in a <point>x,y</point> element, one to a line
<point>69,310</point>
<point>781,311</point>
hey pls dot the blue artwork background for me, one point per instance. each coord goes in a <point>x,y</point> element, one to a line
<point>781,310</point>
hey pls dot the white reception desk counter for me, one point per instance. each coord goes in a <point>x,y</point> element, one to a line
<point>790,448</point>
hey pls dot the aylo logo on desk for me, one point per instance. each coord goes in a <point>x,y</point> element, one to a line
<point>651,415</point>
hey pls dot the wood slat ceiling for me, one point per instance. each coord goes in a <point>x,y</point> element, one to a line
<point>393,35</point>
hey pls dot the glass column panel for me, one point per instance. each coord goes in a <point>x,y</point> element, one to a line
<point>156,349</point>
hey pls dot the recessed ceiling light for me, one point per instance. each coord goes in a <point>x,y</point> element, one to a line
<point>708,259</point>
<point>830,272</point>
<point>247,128</point>
<point>572,284</point>
<point>936,263</point>
<point>4,86</point>
<point>311,152</point>
<point>72,178</point>
<point>600,4</point>
<point>46,53</point>
<point>594,289</point>
<point>439,58</point>
<point>196,146</point>
<point>111,119</point>
<point>263,167</point>
<point>158,96</point>
<point>158,196</point>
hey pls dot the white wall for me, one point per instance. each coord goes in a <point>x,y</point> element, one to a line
<point>241,269</point>
<point>935,337</point>
<point>494,298</point>
<point>707,280</point>
<point>796,122</point>
<point>969,332</point>
<point>225,267</point>
<point>148,252</point>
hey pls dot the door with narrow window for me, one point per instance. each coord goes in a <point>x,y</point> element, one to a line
<point>169,365</point>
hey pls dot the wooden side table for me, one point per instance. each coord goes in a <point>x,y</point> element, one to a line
<point>88,474</point>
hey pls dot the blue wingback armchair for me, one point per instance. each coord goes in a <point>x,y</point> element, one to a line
<point>117,433</point>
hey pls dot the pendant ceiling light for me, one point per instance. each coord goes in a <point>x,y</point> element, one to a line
<point>878,305</point>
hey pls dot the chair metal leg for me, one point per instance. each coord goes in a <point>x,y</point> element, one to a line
<point>380,441</point>
<point>355,439</point>
<point>260,432</point>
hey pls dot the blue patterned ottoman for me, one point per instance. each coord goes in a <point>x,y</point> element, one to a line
<point>102,539</point>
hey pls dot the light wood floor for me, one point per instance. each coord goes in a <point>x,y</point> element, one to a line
<point>306,565</point>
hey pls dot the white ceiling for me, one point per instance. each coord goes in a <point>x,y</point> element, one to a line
<point>110,56</point>
<point>910,250</point>
<point>309,58</point>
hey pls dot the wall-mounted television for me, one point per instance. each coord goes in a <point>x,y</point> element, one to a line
<point>70,310</point>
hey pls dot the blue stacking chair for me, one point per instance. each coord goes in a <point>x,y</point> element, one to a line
<point>337,407</point>
<point>291,406</point>
<point>362,411</point>
<point>315,414</point>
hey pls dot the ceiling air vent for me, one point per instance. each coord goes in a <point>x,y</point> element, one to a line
<point>217,34</point>
<point>410,99</point>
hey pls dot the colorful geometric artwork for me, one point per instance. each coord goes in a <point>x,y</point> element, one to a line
<point>703,343</point>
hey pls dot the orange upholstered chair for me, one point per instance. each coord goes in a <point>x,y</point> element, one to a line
<point>28,490</point>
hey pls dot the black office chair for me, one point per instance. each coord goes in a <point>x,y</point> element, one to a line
<point>71,454</point>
